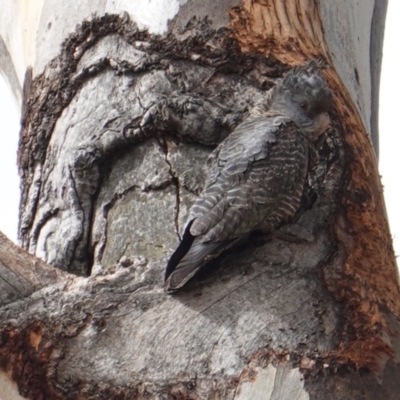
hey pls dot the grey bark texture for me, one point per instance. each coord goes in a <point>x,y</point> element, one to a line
<point>119,115</point>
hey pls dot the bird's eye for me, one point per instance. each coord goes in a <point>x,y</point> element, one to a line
<point>303,105</point>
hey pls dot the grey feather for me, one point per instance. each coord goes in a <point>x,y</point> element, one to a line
<point>256,175</point>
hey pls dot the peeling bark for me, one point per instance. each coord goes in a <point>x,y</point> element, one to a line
<point>116,131</point>
<point>152,95</point>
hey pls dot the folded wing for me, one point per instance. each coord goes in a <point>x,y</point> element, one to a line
<point>253,176</point>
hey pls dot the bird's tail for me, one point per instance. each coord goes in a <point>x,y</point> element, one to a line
<point>194,259</point>
<point>187,259</point>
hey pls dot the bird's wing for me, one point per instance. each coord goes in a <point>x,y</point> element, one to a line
<point>256,173</point>
<point>228,190</point>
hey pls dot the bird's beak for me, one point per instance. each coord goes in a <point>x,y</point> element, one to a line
<point>321,123</point>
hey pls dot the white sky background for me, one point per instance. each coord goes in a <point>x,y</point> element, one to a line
<point>389,164</point>
<point>9,179</point>
<point>389,127</point>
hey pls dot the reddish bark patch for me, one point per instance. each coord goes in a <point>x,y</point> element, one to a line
<point>290,30</point>
<point>25,356</point>
<point>363,276</point>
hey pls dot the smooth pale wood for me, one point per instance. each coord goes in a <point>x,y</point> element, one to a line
<point>9,390</point>
<point>272,384</point>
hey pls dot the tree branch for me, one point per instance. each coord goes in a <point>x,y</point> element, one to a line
<point>21,273</point>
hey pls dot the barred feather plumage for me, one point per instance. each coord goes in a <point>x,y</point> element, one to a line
<point>256,175</point>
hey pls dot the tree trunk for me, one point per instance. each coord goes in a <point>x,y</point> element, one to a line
<point>122,104</point>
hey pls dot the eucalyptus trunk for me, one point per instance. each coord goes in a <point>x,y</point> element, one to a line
<point>122,102</point>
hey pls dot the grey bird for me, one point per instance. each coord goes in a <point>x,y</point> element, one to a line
<point>256,176</point>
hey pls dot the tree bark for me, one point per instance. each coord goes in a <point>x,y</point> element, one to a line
<point>121,106</point>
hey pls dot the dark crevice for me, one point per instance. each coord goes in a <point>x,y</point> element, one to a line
<point>106,209</point>
<point>73,245</point>
<point>175,182</point>
<point>90,254</point>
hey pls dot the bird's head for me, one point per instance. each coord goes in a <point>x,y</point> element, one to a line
<point>304,96</point>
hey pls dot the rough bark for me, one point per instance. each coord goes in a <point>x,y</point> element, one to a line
<point>117,123</point>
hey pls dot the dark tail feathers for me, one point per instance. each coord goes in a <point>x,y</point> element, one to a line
<point>187,259</point>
